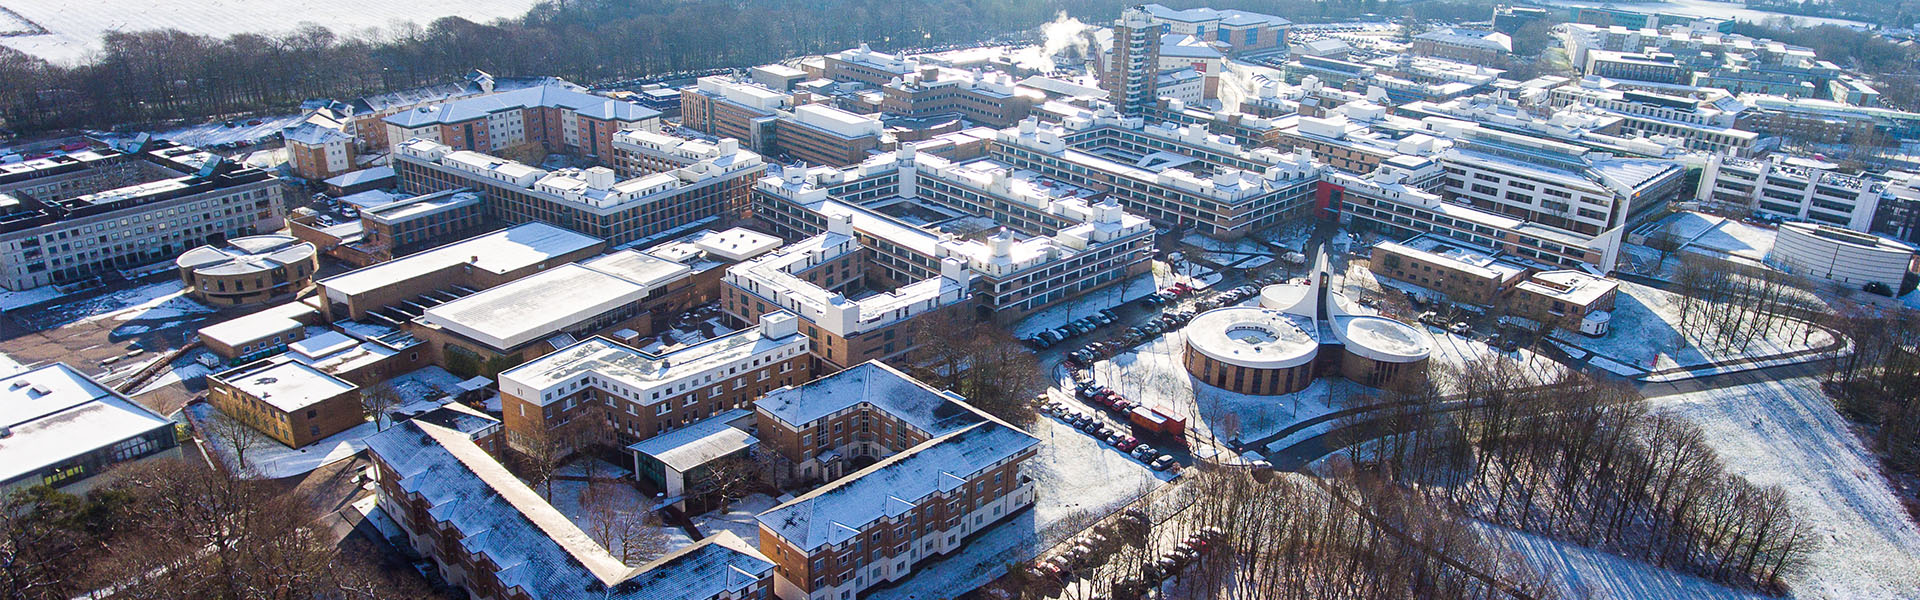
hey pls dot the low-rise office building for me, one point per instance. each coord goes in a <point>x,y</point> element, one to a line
<point>1573,300</point>
<point>1792,188</point>
<point>1242,32</point>
<point>945,471</point>
<point>451,271</point>
<point>63,428</point>
<point>813,279</point>
<point>421,222</point>
<point>1057,242</point>
<point>594,201</point>
<point>248,270</point>
<point>1180,177</point>
<point>1467,45</point>
<point>1705,119</point>
<point>1460,272</point>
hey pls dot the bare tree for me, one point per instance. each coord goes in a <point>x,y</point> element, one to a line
<point>537,453</point>
<point>236,436</point>
<point>629,531</point>
<point>725,479</point>
<point>376,400</point>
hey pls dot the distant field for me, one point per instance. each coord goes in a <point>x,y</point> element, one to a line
<point>74,28</point>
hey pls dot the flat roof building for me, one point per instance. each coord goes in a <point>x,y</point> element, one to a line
<point>466,266</point>
<point>62,427</point>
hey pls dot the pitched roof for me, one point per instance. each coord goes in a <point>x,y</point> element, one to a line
<point>534,546</point>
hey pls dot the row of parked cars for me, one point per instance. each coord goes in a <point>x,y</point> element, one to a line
<point>1176,560</point>
<point>1173,292</point>
<point>1048,338</point>
<point>1119,438</point>
<point>1096,547</point>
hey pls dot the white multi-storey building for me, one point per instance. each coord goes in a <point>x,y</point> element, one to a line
<point>1792,188</point>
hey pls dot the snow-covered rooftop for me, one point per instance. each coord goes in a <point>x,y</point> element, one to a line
<point>875,384</point>
<point>1253,337</point>
<point>499,252</point>
<point>1382,339</point>
<point>533,546</point>
<point>648,378</point>
<point>54,413</point>
<point>245,255</point>
<point>895,486</point>
<point>543,96</point>
<point>695,444</point>
<point>353,178</point>
<point>1577,287</point>
<point>286,384</point>
<point>542,304</point>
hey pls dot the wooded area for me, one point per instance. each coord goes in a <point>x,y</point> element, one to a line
<point>144,77</point>
<point>1585,461</point>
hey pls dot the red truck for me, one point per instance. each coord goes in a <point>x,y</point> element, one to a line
<point>1158,422</point>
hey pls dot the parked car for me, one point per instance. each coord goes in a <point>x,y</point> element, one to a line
<point>1161,464</point>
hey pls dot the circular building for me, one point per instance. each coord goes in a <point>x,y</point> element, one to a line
<point>1378,348</point>
<point>248,270</point>
<point>1250,350</point>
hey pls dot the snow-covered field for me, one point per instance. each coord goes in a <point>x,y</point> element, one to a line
<point>1786,433</point>
<point>1073,475</point>
<point>1739,239</point>
<point>270,459</point>
<point>74,28</point>
<point>1581,572</point>
<point>1645,335</point>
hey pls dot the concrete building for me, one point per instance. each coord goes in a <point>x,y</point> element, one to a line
<point>945,471</point>
<point>63,428</point>
<point>496,539</point>
<point>85,213</point>
<point>1706,119</point>
<point>823,135</point>
<point>1403,200</point>
<point>1840,255</point>
<point>1565,187</point>
<point>549,118</point>
<point>414,224</point>
<point>1133,73</point>
<point>1792,188</point>
<point>1056,241</point>
<point>248,270</point>
<point>625,396</point>
<point>259,334</point>
<point>594,201</point>
<point>1180,177</point>
<point>814,277</point>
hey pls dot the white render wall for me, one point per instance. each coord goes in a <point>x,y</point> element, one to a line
<point>1798,251</point>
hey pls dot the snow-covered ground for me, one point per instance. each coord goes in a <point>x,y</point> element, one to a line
<point>10,300</point>
<point>270,459</point>
<point>1228,252</point>
<point>1456,352</point>
<point>183,370</point>
<point>1581,572</point>
<point>1073,475</point>
<point>738,519</point>
<point>216,133</point>
<point>574,498</point>
<point>1645,334</point>
<point>74,28</point>
<point>165,300</point>
<point>1786,433</point>
<point>1738,239</point>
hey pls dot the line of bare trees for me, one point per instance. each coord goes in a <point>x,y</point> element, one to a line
<point>1729,305</point>
<point>167,529</point>
<point>1879,383</point>
<point>1288,538</point>
<point>980,361</point>
<point>1585,461</point>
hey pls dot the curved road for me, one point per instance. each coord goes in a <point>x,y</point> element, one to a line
<point>1296,456</point>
